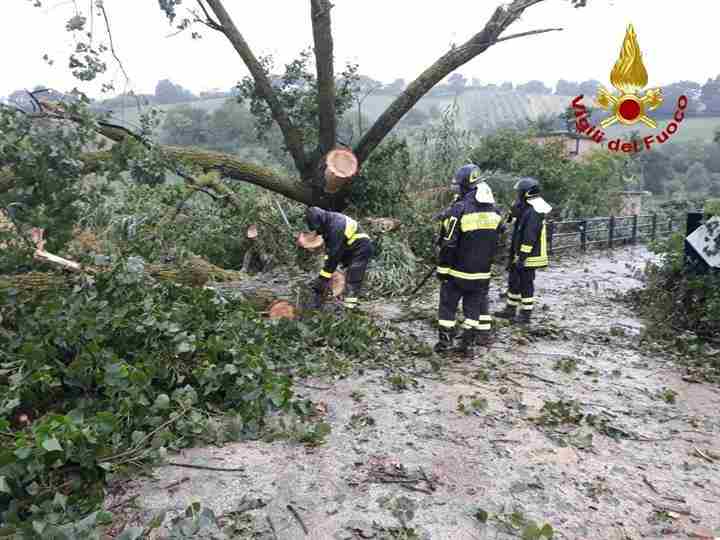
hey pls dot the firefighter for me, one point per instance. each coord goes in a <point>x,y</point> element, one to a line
<point>344,245</point>
<point>528,250</point>
<point>468,243</point>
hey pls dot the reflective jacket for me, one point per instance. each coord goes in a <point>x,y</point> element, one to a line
<point>468,241</point>
<point>529,238</point>
<point>340,234</point>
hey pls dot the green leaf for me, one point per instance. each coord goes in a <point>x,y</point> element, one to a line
<point>60,500</point>
<point>531,532</point>
<point>52,445</point>
<point>23,453</point>
<point>547,531</point>
<point>482,515</point>
<point>4,486</point>
<point>162,402</point>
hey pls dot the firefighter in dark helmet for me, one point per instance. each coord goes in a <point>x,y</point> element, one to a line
<point>468,243</point>
<point>344,245</point>
<point>528,249</point>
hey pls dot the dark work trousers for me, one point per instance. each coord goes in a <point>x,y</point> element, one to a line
<point>521,288</point>
<point>475,304</point>
<point>356,261</point>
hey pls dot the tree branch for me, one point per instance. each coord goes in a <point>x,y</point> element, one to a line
<point>293,136</point>
<point>209,22</point>
<point>322,34</point>
<point>501,19</point>
<point>226,164</point>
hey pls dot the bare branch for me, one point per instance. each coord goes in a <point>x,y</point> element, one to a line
<point>322,34</point>
<point>101,7</point>
<point>209,22</point>
<point>292,136</point>
<point>501,19</point>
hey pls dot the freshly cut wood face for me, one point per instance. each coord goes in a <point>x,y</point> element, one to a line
<point>341,166</point>
<point>252,232</point>
<point>282,309</point>
<point>337,283</point>
<point>310,240</point>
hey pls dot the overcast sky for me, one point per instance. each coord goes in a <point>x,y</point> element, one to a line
<point>388,38</point>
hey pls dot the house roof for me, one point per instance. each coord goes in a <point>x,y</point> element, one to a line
<point>562,133</point>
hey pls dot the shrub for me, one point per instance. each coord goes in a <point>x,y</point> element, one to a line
<point>122,370</point>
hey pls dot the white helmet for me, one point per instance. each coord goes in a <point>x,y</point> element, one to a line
<point>484,194</point>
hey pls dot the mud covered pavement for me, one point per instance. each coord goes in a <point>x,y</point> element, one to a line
<point>567,424</point>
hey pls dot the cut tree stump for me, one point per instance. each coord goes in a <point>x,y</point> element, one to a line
<point>310,241</point>
<point>340,166</point>
<point>337,283</point>
<point>252,232</point>
<point>282,309</point>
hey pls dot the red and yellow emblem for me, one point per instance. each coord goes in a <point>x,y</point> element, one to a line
<point>629,77</point>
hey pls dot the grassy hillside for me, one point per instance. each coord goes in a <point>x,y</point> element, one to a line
<point>488,109</point>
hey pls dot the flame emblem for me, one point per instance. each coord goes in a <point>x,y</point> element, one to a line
<point>629,77</point>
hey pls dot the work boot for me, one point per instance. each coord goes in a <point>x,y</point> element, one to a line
<point>446,340</point>
<point>508,312</point>
<point>524,317</point>
<point>467,343</point>
<point>482,338</point>
<point>351,298</point>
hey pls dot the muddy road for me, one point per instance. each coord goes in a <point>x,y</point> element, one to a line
<point>568,423</point>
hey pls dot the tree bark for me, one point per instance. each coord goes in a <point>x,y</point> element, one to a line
<point>292,136</point>
<point>322,34</point>
<point>501,19</point>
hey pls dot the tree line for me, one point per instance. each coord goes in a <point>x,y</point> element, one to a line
<point>704,98</point>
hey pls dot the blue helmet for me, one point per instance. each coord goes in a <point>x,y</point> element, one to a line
<point>467,178</point>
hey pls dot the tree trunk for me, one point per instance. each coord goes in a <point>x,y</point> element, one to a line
<point>292,135</point>
<point>340,167</point>
<point>322,34</point>
<point>501,19</point>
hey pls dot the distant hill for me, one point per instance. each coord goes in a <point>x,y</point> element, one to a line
<point>482,109</point>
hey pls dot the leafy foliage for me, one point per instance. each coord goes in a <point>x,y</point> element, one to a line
<point>683,307</point>
<point>380,189</point>
<point>574,188</point>
<point>297,90</point>
<point>122,370</point>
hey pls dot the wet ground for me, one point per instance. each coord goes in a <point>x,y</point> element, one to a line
<point>568,423</point>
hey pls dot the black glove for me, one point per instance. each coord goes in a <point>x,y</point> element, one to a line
<point>511,264</point>
<point>321,285</point>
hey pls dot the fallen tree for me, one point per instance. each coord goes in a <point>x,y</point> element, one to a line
<point>314,185</point>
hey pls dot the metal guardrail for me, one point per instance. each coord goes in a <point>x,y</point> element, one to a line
<point>606,232</point>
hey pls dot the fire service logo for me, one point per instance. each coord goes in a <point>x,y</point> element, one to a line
<point>631,106</point>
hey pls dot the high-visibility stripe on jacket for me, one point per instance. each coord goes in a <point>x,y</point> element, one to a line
<point>529,238</point>
<point>468,240</point>
<point>340,234</point>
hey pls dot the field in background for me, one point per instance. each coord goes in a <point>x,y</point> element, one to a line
<point>488,109</point>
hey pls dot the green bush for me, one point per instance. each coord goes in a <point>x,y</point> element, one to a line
<point>573,188</point>
<point>121,371</point>
<point>381,188</point>
<point>676,301</point>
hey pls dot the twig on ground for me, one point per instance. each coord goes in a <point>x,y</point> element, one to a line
<point>532,376</point>
<point>647,483</point>
<point>703,455</point>
<point>300,383</point>
<point>122,503</point>
<point>298,518</point>
<point>414,488</point>
<point>427,479</point>
<point>176,484</point>
<point>272,527</point>
<point>202,467</point>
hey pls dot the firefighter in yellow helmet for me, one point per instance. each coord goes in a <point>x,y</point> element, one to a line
<point>528,250</point>
<point>468,244</point>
